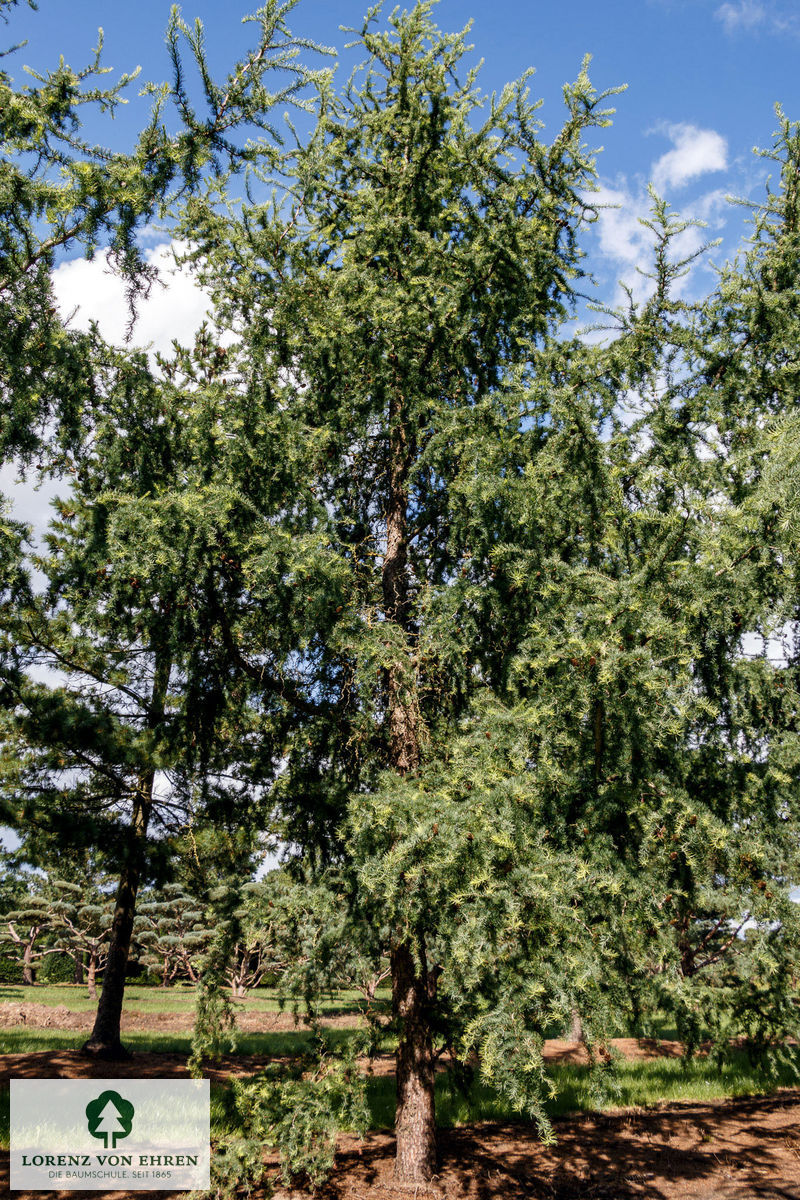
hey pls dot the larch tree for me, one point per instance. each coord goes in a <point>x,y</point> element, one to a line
<point>426,245</point>
<point>533,720</point>
<point>399,562</point>
<point>742,393</point>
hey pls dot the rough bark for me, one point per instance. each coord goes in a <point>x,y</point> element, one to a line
<point>105,1039</point>
<point>28,976</point>
<point>415,1121</point>
<point>575,1027</point>
<point>91,978</point>
<point>402,704</point>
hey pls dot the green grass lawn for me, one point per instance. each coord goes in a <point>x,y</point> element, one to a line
<point>639,1083</point>
<point>635,1084</point>
<point>22,1040</point>
<point>178,999</point>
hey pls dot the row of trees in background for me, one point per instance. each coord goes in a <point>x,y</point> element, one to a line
<point>393,565</point>
<point>286,931</point>
<point>44,920</point>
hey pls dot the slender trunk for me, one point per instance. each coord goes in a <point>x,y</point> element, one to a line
<point>415,1119</point>
<point>402,703</point>
<point>28,976</point>
<point>77,969</point>
<point>165,973</point>
<point>575,1027</point>
<point>105,1038</point>
<point>91,979</point>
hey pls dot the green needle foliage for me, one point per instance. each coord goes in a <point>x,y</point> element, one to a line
<point>393,562</point>
<point>525,647</point>
<point>171,929</point>
<point>83,759</point>
<point>58,190</point>
<point>404,293</point>
<point>80,919</point>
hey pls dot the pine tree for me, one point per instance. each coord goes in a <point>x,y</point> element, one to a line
<point>80,919</point>
<point>114,621</point>
<point>172,930</point>
<point>25,924</point>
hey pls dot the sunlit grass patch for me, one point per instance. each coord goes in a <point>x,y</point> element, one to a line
<point>637,1083</point>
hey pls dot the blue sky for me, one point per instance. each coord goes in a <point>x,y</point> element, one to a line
<point>705,62</point>
<point>702,75</point>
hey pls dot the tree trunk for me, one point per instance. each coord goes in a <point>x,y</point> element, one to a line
<point>91,978</point>
<point>575,1027</point>
<point>415,1120</point>
<point>105,1038</point>
<point>28,976</point>
<point>402,702</point>
<point>77,969</point>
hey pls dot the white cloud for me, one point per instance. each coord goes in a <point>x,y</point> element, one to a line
<point>626,243</point>
<point>30,501</point>
<point>175,308</point>
<point>747,15</point>
<point>744,15</point>
<point>622,236</point>
<point>696,151</point>
<point>713,206</point>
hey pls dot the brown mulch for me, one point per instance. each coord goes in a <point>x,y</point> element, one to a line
<point>725,1150</point>
<point>46,1016</point>
<point>730,1150</point>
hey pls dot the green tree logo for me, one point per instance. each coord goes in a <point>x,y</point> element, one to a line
<point>109,1116</point>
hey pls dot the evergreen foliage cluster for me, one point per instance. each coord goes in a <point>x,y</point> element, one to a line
<point>395,566</point>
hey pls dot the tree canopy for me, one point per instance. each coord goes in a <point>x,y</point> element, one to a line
<point>393,561</point>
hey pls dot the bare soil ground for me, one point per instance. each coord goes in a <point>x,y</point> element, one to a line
<point>47,1016</point>
<point>731,1150</point>
<point>725,1150</point>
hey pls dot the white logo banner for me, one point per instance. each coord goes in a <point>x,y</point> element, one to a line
<point>110,1135</point>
